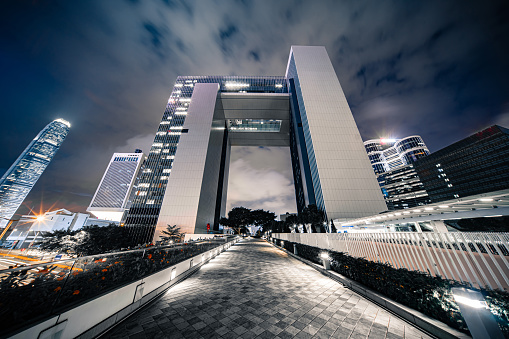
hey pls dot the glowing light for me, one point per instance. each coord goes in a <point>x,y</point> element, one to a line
<point>428,208</point>
<point>485,199</point>
<point>443,206</point>
<point>324,255</point>
<point>388,141</point>
<point>235,85</point>
<point>40,218</point>
<point>470,302</point>
<point>65,122</point>
<point>279,85</point>
<point>417,211</point>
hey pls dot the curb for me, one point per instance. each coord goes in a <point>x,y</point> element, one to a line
<point>422,321</point>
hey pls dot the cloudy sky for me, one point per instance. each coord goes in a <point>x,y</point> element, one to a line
<point>439,69</point>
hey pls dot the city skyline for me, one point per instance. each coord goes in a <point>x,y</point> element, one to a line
<point>436,70</point>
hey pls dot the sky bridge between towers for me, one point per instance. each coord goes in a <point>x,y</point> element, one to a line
<point>185,180</point>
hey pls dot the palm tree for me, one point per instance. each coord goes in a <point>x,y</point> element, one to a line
<point>172,233</point>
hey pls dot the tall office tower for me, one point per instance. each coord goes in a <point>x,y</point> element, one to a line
<point>186,175</point>
<point>388,154</point>
<point>392,160</point>
<point>475,165</point>
<point>117,187</point>
<point>19,179</point>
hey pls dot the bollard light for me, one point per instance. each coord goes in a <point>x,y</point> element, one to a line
<point>325,260</point>
<point>475,311</point>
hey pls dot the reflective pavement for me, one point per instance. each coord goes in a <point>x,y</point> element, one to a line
<point>254,290</point>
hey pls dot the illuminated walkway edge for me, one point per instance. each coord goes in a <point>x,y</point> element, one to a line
<point>254,290</point>
<point>421,320</point>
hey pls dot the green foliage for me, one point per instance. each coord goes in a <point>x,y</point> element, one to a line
<point>172,233</point>
<point>32,294</point>
<point>423,292</point>
<point>333,227</point>
<point>312,215</point>
<point>240,217</point>
<point>89,240</point>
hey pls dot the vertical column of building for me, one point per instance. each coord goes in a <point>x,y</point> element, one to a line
<point>190,198</point>
<point>344,183</point>
<point>144,212</point>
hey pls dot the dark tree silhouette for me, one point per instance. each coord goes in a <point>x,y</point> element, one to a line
<point>172,233</point>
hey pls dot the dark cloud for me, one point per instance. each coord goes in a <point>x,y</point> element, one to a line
<point>434,68</point>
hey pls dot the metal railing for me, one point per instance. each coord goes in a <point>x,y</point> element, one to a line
<point>480,259</point>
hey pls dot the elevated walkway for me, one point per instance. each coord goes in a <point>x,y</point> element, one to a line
<point>254,290</point>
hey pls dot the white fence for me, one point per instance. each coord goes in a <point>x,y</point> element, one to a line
<point>481,259</point>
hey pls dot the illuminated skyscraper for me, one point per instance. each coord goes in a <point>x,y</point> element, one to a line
<point>392,160</point>
<point>117,187</point>
<point>19,179</point>
<point>185,180</point>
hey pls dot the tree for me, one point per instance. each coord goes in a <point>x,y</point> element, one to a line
<point>89,240</point>
<point>312,215</point>
<point>333,227</point>
<point>238,219</point>
<point>263,218</point>
<point>59,240</point>
<point>172,233</point>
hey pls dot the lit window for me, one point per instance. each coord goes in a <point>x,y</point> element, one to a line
<point>167,170</point>
<point>150,202</point>
<point>164,177</point>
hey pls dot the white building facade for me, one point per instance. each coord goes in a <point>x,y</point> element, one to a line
<point>186,175</point>
<point>117,187</point>
<point>30,228</point>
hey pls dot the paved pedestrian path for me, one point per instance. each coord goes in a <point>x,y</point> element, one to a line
<point>255,290</point>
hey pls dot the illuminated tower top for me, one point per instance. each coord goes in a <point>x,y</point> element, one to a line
<point>388,154</point>
<point>19,179</point>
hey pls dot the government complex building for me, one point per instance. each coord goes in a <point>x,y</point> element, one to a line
<point>185,177</point>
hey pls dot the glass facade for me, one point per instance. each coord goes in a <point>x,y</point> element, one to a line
<point>115,186</point>
<point>19,179</point>
<point>253,125</point>
<point>392,161</point>
<point>477,164</point>
<point>144,212</point>
<point>402,188</point>
<point>388,154</point>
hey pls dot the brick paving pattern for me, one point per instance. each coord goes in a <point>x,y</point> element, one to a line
<point>254,290</point>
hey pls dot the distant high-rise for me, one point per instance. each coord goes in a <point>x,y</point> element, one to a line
<point>392,160</point>
<point>388,154</point>
<point>117,187</point>
<point>475,165</point>
<point>19,179</point>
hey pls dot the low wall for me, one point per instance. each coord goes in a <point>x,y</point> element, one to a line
<point>96,316</point>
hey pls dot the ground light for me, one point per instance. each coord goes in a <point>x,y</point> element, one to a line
<point>325,260</point>
<point>473,308</point>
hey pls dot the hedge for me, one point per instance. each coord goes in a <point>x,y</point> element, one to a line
<point>420,291</point>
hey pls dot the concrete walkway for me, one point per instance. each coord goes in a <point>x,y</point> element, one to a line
<point>254,290</point>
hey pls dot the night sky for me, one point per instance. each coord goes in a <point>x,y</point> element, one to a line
<point>438,69</point>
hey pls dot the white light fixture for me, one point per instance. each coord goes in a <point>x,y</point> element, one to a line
<point>485,199</point>
<point>470,302</point>
<point>443,206</point>
<point>324,255</point>
<point>235,85</point>
<point>416,211</point>
<point>429,208</point>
